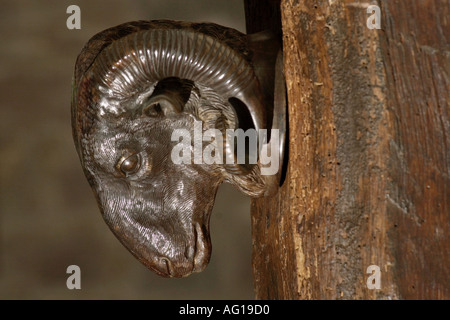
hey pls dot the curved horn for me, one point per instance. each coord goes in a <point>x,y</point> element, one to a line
<point>161,49</point>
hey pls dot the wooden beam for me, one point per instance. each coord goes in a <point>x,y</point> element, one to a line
<point>368,177</point>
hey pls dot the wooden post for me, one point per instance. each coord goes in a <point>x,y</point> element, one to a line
<point>369,163</point>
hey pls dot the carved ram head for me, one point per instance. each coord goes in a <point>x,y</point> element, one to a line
<point>134,85</point>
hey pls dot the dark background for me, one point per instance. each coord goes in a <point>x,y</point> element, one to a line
<point>49,217</point>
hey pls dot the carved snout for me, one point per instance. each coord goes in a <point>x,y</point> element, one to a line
<point>163,227</point>
<point>197,253</point>
<point>185,258</point>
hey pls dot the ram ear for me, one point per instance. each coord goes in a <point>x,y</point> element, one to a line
<point>162,105</point>
<point>168,98</point>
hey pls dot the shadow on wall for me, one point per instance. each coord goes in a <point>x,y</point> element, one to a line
<point>49,218</point>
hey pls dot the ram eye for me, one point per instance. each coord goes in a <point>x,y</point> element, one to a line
<point>129,165</point>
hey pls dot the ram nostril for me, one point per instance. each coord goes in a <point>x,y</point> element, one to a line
<point>189,251</point>
<point>202,247</point>
<point>165,263</point>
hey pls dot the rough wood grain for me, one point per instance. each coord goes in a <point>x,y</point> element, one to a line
<point>368,177</point>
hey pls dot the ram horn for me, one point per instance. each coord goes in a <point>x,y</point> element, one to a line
<point>130,58</point>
